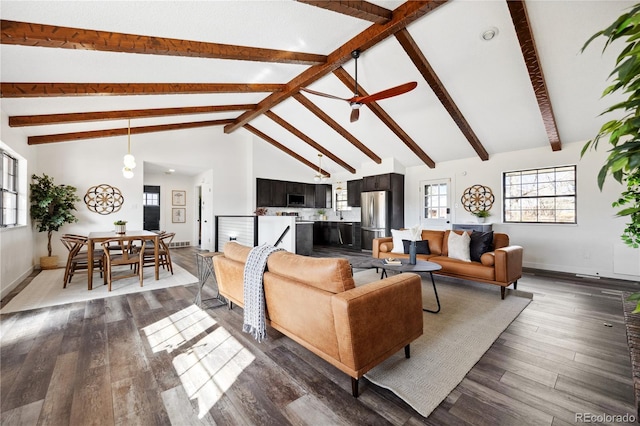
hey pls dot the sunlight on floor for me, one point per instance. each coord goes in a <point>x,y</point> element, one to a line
<point>209,367</point>
<point>177,329</point>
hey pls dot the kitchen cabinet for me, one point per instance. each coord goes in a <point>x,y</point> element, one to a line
<point>304,238</point>
<point>278,193</point>
<point>354,189</point>
<point>263,192</point>
<point>271,193</point>
<point>297,188</point>
<point>323,196</point>
<point>337,234</point>
<point>377,182</point>
<point>310,195</point>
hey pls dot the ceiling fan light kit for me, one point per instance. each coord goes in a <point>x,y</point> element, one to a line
<point>357,101</point>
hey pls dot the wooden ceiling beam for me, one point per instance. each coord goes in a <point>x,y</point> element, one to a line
<point>519,16</point>
<point>315,145</point>
<point>403,15</point>
<point>420,61</point>
<point>335,126</point>
<point>385,118</point>
<point>79,117</point>
<point>284,149</point>
<point>356,9</point>
<point>34,90</point>
<point>93,134</point>
<point>29,34</point>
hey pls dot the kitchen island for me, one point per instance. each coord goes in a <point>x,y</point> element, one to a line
<point>337,233</point>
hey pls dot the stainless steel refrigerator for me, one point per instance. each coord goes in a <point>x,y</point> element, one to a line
<point>375,208</point>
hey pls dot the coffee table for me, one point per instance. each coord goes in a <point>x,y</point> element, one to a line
<point>420,266</point>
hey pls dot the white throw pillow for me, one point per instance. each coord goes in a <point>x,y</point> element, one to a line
<point>398,236</point>
<point>459,246</point>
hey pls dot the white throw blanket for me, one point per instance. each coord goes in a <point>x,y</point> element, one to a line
<point>254,303</point>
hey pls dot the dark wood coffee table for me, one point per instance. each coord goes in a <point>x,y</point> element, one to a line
<point>420,266</point>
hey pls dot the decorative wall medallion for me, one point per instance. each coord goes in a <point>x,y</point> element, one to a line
<point>104,199</point>
<point>476,198</point>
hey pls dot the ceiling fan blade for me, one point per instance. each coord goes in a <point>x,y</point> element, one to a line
<point>394,91</point>
<point>326,95</point>
<point>355,114</point>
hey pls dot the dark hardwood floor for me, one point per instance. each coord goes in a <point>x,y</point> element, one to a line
<point>132,360</point>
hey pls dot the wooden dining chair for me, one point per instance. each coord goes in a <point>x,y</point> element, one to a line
<point>164,255</point>
<point>78,257</point>
<point>128,256</point>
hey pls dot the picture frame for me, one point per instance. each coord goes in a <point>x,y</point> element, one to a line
<point>178,215</point>
<point>178,198</point>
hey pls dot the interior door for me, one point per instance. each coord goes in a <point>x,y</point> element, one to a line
<point>206,218</point>
<point>151,208</point>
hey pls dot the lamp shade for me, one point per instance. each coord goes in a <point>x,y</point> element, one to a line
<point>130,161</point>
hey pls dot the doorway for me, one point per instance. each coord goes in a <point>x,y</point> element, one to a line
<point>151,208</point>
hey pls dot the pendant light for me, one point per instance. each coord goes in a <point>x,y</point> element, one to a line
<point>319,177</point>
<point>129,160</point>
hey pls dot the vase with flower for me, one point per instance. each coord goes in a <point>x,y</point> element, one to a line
<point>416,233</point>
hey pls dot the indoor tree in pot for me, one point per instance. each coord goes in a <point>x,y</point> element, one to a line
<point>623,134</point>
<point>51,207</point>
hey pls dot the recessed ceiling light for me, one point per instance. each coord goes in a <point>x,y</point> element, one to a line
<point>489,34</point>
<point>168,172</point>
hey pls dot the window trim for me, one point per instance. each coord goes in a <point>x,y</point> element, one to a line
<point>16,188</point>
<point>505,198</point>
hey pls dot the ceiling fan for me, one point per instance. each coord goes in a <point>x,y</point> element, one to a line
<point>357,101</point>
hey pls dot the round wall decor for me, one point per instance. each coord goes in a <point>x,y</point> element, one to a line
<point>477,198</point>
<point>104,199</point>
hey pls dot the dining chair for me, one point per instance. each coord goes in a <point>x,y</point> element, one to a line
<point>164,254</point>
<point>128,256</point>
<point>77,257</point>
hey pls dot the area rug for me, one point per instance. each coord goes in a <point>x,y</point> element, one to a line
<point>46,288</point>
<point>472,317</point>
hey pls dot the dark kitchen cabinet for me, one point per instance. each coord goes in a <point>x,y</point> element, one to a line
<point>310,199</point>
<point>377,183</point>
<point>323,196</point>
<point>297,188</point>
<point>271,193</point>
<point>354,189</point>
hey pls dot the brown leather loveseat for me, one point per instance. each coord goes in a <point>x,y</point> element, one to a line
<point>502,266</point>
<point>315,302</point>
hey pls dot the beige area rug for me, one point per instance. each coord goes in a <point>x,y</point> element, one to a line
<point>472,317</point>
<point>46,288</point>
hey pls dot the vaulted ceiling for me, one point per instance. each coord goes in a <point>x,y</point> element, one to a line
<point>77,71</point>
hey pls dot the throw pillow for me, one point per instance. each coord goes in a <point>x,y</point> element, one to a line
<point>422,247</point>
<point>459,246</point>
<point>481,242</point>
<point>399,235</point>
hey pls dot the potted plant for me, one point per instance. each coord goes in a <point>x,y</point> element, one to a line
<point>51,207</point>
<point>322,215</point>
<point>481,215</point>
<point>121,226</point>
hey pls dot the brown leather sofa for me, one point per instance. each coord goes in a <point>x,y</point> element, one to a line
<point>502,266</point>
<point>315,302</point>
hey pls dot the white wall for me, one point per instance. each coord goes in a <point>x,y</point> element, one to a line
<point>585,248</point>
<point>87,163</point>
<point>16,244</point>
<point>176,182</point>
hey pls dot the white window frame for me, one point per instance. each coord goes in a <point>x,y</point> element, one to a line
<point>10,188</point>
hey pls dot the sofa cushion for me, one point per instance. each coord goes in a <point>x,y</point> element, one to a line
<point>328,274</point>
<point>422,247</point>
<point>458,246</point>
<point>435,240</point>
<point>235,251</point>
<point>488,259</point>
<point>481,242</point>
<point>470,270</point>
<point>398,235</point>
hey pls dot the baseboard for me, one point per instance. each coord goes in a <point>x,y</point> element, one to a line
<point>4,291</point>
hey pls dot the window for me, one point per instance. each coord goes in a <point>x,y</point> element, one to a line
<point>150,199</point>
<point>341,200</point>
<point>9,199</point>
<point>436,203</point>
<point>540,195</point>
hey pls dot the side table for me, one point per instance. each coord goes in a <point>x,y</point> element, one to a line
<point>204,261</point>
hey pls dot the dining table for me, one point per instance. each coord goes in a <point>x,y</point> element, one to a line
<point>99,237</point>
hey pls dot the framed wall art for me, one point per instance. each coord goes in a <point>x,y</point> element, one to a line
<point>178,198</point>
<point>178,215</point>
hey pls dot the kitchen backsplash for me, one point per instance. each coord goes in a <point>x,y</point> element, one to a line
<point>352,215</point>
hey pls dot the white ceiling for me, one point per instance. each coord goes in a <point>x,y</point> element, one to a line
<point>487,80</point>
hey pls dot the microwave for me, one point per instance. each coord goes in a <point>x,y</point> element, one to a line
<point>295,200</point>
